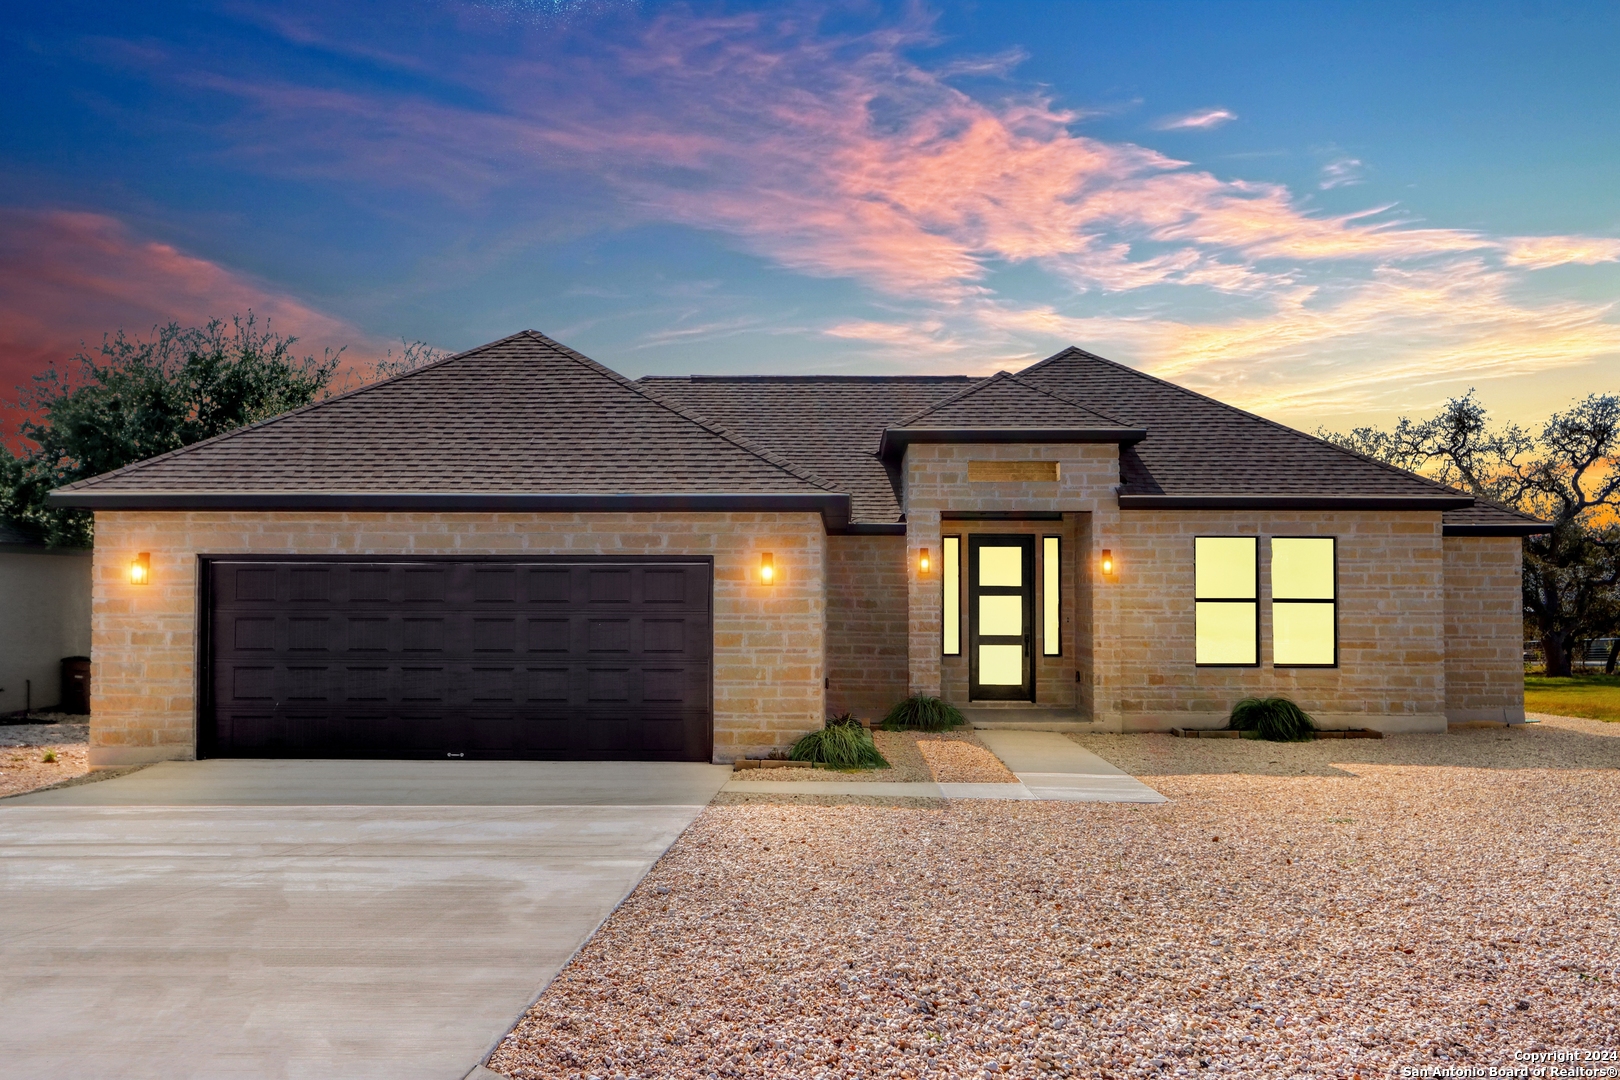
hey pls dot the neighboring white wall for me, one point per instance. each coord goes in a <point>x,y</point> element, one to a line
<point>44,616</point>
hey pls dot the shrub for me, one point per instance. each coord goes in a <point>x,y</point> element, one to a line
<point>841,744</point>
<point>919,712</point>
<point>845,719</point>
<point>1274,718</point>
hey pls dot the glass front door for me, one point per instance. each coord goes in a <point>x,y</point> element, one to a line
<point>1001,623</point>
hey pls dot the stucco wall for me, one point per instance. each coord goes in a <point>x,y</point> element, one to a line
<point>768,640</point>
<point>866,624</point>
<point>1484,628</point>
<point>44,616</point>
<point>1391,619</point>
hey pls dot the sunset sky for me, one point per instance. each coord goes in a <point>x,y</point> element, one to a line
<point>1327,213</point>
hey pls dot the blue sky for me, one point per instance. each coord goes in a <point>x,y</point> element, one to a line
<point>1329,213</point>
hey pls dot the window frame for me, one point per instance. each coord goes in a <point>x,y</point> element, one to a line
<point>950,565</point>
<point>1253,603</point>
<point>1052,596</point>
<point>1274,601</point>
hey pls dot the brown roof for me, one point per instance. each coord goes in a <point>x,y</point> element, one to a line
<point>523,417</point>
<point>525,422</point>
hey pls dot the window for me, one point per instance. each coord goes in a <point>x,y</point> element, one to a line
<point>950,575</point>
<point>1051,595</point>
<point>1226,600</point>
<point>1304,602</point>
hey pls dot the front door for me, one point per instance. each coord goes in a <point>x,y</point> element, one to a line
<point>1001,618</point>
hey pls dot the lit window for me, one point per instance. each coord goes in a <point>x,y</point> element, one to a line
<point>950,574</point>
<point>1304,602</point>
<point>1226,600</point>
<point>1051,594</point>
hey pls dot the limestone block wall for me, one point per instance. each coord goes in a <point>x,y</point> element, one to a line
<point>937,483</point>
<point>1484,628</point>
<point>1391,620</point>
<point>769,641</point>
<point>866,624</point>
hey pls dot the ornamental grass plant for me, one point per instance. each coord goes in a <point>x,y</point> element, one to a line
<point>1275,719</point>
<point>842,744</point>
<point>919,712</point>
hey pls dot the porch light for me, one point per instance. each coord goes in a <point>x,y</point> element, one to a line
<point>767,568</point>
<point>922,562</point>
<point>1107,562</point>
<point>140,569</point>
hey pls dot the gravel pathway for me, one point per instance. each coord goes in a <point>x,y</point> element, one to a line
<point>1328,909</point>
<point>23,748</point>
<point>957,761</point>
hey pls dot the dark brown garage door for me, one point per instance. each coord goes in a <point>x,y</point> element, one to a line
<point>580,659</point>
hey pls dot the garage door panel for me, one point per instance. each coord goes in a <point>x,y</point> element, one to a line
<point>481,658</point>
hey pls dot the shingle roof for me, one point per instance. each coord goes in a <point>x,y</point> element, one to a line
<point>829,423</point>
<point>524,420</point>
<point>1006,401</point>
<point>520,416</point>
<point>1201,448</point>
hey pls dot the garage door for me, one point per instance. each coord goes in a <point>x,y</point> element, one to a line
<point>596,659</point>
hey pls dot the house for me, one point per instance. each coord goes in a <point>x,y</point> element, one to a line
<point>44,617</point>
<point>516,552</point>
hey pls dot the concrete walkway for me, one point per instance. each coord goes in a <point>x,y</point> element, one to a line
<point>1048,766</point>
<point>1053,767</point>
<point>311,919</point>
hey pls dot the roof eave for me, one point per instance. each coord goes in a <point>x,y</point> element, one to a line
<point>834,507</point>
<point>896,439</point>
<point>1502,528</point>
<point>1295,502</point>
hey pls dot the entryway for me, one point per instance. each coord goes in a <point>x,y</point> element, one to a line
<point>1001,617</point>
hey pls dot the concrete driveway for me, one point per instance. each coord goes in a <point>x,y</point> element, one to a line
<point>311,918</point>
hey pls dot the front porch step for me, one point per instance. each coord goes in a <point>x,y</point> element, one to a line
<point>1025,718</point>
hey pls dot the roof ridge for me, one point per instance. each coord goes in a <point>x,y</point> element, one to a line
<point>797,471</point>
<point>1066,399</point>
<point>1007,376</point>
<point>1075,350</point>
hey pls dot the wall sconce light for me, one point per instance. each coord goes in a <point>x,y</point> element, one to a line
<point>922,562</point>
<point>1107,563</point>
<point>767,568</point>
<point>140,569</point>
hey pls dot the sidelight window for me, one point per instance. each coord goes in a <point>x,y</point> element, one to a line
<point>1051,597</point>
<point>1304,601</point>
<point>1226,601</point>
<point>950,575</point>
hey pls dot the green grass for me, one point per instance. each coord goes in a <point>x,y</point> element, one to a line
<point>1593,696</point>
<point>919,712</point>
<point>841,745</point>
<point>1274,718</point>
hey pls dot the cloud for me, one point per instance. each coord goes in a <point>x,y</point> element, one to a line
<point>1201,120</point>
<point>67,278</point>
<point>837,155</point>
<point>1341,172</point>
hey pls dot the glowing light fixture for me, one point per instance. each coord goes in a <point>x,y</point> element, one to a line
<point>922,562</point>
<point>1107,561</point>
<point>140,569</point>
<point>767,568</point>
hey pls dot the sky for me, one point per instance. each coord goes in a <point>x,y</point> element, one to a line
<point>1331,214</point>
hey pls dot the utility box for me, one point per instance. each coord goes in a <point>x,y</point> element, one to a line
<point>76,685</point>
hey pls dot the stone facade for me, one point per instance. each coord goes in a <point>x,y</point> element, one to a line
<point>866,624</point>
<point>1391,674</point>
<point>1484,628</point>
<point>769,641</point>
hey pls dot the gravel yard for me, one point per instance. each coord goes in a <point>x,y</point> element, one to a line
<point>23,748</point>
<point>1318,909</point>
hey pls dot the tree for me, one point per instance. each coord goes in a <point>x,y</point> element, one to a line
<point>1568,474</point>
<point>136,398</point>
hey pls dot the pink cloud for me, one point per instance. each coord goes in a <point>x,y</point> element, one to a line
<point>1201,120</point>
<point>67,278</point>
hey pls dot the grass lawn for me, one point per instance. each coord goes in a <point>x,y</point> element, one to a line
<point>1594,696</point>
